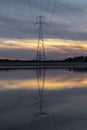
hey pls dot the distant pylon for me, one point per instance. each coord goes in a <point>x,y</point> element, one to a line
<point>41,24</point>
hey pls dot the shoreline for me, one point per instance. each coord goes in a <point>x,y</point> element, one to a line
<point>32,65</point>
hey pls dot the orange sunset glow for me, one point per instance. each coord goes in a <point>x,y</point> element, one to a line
<point>58,46</point>
<point>49,44</point>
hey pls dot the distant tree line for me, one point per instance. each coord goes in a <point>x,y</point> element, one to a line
<point>76,59</point>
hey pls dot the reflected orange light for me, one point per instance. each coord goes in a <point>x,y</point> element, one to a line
<point>49,84</point>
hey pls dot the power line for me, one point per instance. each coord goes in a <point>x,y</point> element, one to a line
<point>31,10</point>
<point>48,4</point>
<point>53,11</point>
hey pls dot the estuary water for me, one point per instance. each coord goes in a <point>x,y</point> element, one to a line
<point>42,99</point>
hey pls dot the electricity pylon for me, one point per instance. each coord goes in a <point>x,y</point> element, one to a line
<point>41,24</point>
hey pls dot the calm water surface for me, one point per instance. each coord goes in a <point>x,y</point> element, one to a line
<point>42,99</point>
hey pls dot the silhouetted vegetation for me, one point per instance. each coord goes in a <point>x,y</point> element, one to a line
<point>76,59</point>
<point>67,62</point>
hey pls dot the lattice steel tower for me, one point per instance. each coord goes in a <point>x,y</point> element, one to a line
<point>41,25</point>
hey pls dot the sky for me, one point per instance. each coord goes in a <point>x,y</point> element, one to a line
<point>66,31</point>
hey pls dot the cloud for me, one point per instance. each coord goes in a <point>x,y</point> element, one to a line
<point>67,23</point>
<point>54,48</point>
<point>12,28</point>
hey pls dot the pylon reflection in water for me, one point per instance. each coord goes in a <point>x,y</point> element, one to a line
<point>40,104</point>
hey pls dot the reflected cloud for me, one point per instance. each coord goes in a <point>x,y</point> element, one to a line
<point>61,79</point>
<point>66,93</point>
